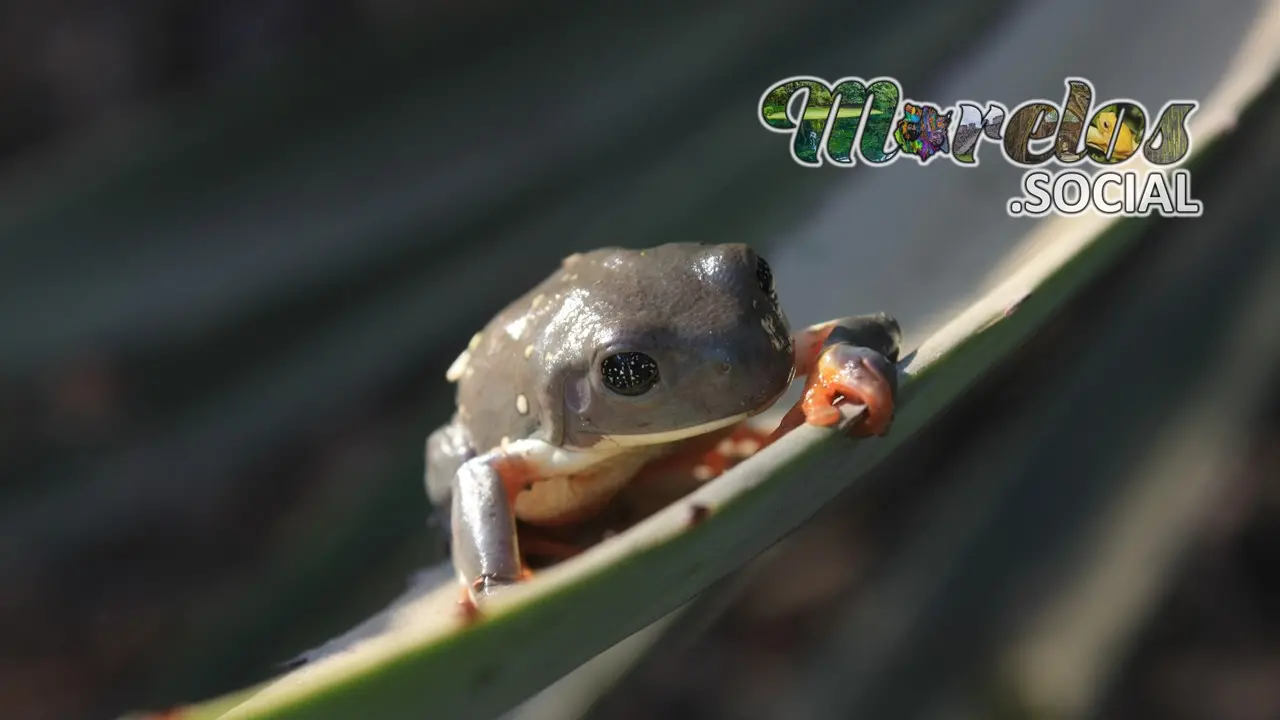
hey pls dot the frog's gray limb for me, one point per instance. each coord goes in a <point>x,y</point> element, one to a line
<point>485,550</point>
<point>878,332</point>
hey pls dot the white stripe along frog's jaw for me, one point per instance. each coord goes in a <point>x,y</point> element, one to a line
<point>670,436</point>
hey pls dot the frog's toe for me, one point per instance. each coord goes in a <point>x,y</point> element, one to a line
<point>468,610</point>
<point>487,585</point>
<point>855,374</point>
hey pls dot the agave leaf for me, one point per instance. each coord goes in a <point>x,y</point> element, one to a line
<point>430,658</point>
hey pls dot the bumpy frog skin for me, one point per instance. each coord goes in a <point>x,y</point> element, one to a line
<point>619,358</point>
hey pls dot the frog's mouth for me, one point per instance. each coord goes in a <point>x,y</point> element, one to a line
<point>669,436</point>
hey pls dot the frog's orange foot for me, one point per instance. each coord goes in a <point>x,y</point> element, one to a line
<point>852,374</point>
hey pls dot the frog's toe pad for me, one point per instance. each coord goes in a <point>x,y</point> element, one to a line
<point>855,374</point>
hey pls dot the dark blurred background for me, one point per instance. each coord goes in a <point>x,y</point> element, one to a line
<point>240,242</point>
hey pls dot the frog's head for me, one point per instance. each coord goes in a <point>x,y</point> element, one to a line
<point>675,341</point>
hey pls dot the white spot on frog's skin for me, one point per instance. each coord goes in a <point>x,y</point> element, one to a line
<point>522,404</point>
<point>475,341</point>
<point>528,351</point>
<point>703,473</point>
<point>459,366</point>
<point>537,299</point>
<point>504,443</point>
<point>747,448</point>
<point>726,448</point>
<point>516,327</point>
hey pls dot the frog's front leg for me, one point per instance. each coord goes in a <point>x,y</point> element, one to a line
<point>484,547</point>
<point>851,358</point>
<point>486,551</point>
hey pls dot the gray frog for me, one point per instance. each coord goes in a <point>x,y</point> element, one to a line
<point>619,358</point>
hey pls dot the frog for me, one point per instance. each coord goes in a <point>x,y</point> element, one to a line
<point>624,362</point>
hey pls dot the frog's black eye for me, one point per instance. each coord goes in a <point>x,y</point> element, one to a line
<point>629,373</point>
<point>764,276</point>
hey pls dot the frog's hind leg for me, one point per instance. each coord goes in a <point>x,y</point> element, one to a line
<point>653,487</point>
<point>743,441</point>
<point>847,359</point>
<point>538,543</point>
<point>705,458</point>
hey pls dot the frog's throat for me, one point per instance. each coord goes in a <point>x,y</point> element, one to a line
<point>669,436</point>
